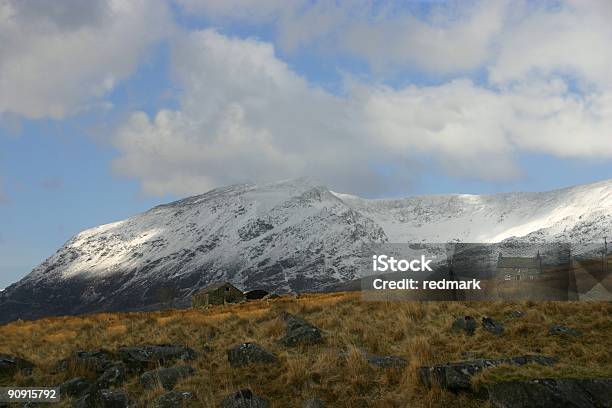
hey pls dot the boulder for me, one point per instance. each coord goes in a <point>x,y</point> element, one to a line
<point>97,361</point>
<point>386,362</point>
<point>167,377</point>
<point>552,393</point>
<point>10,365</point>
<point>313,403</point>
<point>515,314</point>
<point>249,353</point>
<point>76,387</point>
<point>300,332</point>
<point>244,399</point>
<point>557,330</point>
<point>173,399</point>
<point>466,324</point>
<point>113,399</point>
<point>86,401</point>
<point>144,357</point>
<point>492,326</point>
<point>457,376</point>
<point>113,377</point>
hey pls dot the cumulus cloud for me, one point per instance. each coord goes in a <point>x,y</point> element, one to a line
<point>453,36</point>
<point>59,57</point>
<point>515,77</point>
<point>572,39</point>
<point>246,115</point>
<point>511,39</point>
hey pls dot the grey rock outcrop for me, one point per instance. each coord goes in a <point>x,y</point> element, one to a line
<point>249,353</point>
<point>457,376</point>
<point>10,365</point>
<point>166,377</point>
<point>300,332</point>
<point>558,330</point>
<point>244,399</point>
<point>492,326</point>
<point>173,399</point>
<point>113,399</point>
<point>148,356</point>
<point>552,393</point>
<point>466,324</point>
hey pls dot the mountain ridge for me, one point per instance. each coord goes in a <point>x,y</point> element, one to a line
<point>288,236</point>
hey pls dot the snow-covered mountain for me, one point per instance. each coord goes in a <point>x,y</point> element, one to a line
<point>291,235</point>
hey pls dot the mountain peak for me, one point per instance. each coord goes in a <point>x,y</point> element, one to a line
<point>287,236</point>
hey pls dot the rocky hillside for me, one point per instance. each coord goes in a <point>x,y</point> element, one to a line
<point>288,236</point>
<point>322,350</point>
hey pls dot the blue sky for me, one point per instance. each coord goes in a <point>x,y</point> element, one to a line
<point>110,108</point>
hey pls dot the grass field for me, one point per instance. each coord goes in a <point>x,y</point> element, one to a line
<point>418,331</point>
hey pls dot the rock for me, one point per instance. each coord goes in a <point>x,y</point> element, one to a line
<point>492,326</point>
<point>113,399</point>
<point>249,353</point>
<point>457,376</point>
<point>167,377</point>
<point>244,399</point>
<point>144,357</point>
<point>393,362</point>
<point>76,387</point>
<point>96,361</point>
<point>552,393</point>
<point>86,401</point>
<point>313,403</point>
<point>466,324</point>
<point>299,331</point>
<point>515,314</point>
<point>558,330</point>
<point>173,399</point>
<point>256,294</point>
<point>272,296</point>
<point>10,365</point>
<point>113,377</point>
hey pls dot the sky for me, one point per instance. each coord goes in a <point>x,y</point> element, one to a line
<point>109,107</point>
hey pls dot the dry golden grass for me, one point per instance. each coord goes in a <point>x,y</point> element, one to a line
<point>417,331</point>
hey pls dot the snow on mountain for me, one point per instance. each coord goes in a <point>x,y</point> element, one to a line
<point>575,214</point>
<point>291,235</point>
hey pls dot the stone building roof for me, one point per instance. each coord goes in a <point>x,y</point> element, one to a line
<point>216,286</point>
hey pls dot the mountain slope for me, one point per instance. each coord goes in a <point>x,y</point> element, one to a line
<point>574,214</point>
<point>288,236</point>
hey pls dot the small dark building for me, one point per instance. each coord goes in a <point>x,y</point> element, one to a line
<point>256,294</point>
<point>217,294</point>
<point>517,268</point>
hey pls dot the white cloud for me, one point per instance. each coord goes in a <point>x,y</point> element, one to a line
<point>452,37</point>
<point>509,39</point>
<point>573,39</point>
<point>261,11</point>
<point>520,77</point>
<point>442,43</point>
<point>246,115</point>
<point>59,57</point>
